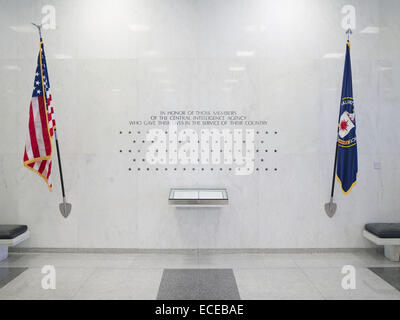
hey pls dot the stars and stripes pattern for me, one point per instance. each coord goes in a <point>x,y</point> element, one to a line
<point>41,125</point>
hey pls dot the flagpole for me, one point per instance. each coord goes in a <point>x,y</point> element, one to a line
<point>65,207</point>
<point>330,207</point>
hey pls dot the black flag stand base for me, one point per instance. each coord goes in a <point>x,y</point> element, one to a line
<point>65,207</point>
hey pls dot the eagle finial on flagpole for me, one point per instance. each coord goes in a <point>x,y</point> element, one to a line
<point>349,32</point>
<point>39,27</point>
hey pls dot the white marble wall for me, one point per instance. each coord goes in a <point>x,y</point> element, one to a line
<point>106,60</point>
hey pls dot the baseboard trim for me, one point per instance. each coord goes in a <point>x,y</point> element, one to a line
<point>186,251</point>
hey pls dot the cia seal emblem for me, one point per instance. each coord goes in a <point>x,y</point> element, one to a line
<point>346,123</point>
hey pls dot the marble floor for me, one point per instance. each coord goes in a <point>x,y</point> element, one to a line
<point>245,276</point>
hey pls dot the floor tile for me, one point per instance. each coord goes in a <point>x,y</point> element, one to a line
<point>9,274</point>
<point>233,261</point>
<point>198,284</point>
<point>390,274</point>
<point>122,284</point>
<point>69,260</point>
<point>258,276</point>
<point>334,259</point>
<point>375,259</point>
<point>278,260</point>
<point>164,260</point>
<point>272,284</point>
<point>28,285</point>
<point>368,285</point>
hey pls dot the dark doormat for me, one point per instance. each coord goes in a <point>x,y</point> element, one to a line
<point>9,274</point>
<point>390,274</point>
<point>198,284</point>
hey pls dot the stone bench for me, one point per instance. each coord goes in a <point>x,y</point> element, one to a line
<point>387,235</point>
<point>11,235</point>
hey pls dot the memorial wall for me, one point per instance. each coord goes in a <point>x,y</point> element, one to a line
<point>242,95</point>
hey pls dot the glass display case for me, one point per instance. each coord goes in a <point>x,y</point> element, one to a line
<point>198,197</point>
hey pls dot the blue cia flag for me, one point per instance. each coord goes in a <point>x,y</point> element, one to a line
<point>347,166</point>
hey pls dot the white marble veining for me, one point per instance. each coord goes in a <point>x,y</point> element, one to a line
<point>280,61</point>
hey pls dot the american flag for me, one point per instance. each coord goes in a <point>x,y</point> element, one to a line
<point>38,147</point>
